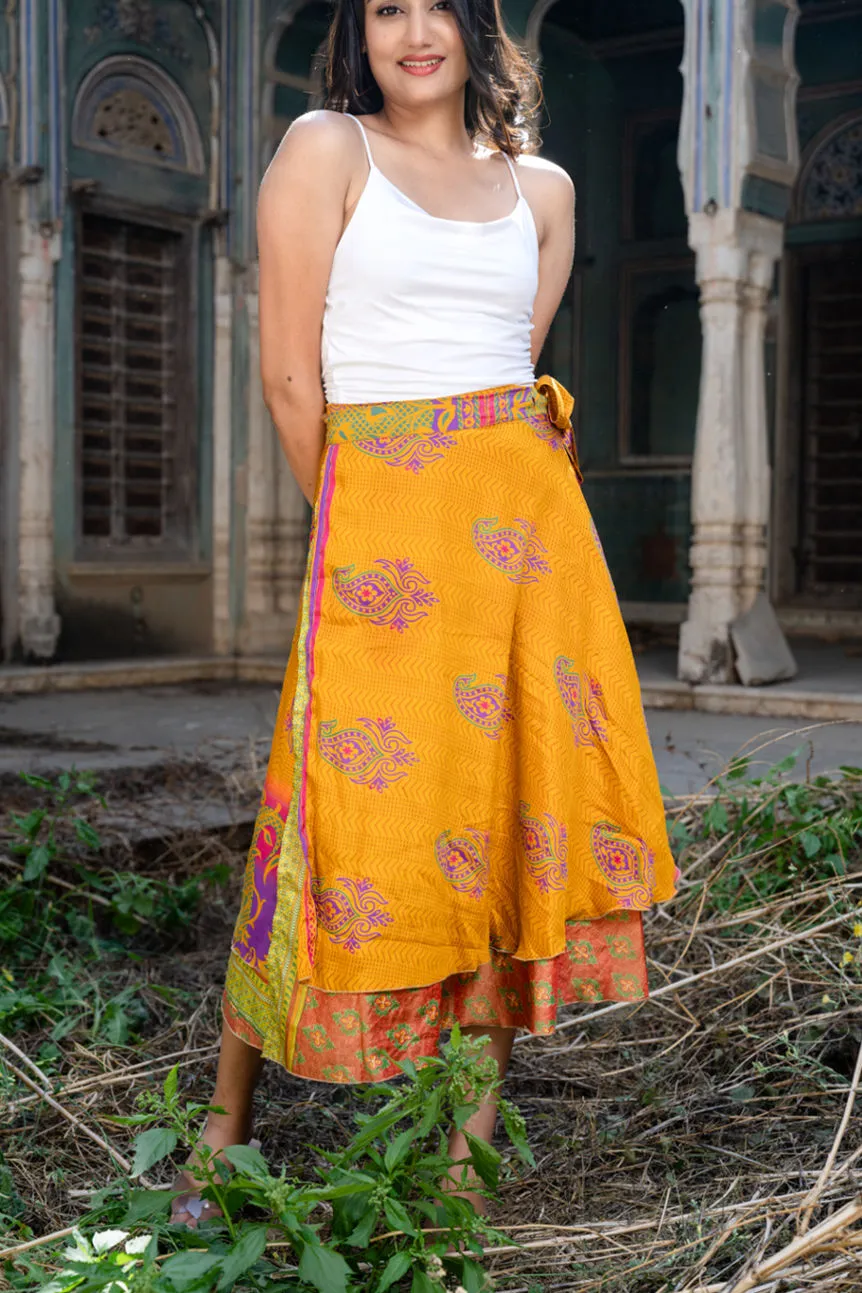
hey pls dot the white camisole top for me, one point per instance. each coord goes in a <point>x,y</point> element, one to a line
<point>420,307</point>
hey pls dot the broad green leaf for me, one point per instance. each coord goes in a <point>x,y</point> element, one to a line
<point>38,783</point>
<point>743,1093</point>
<point>472,1276</point>
<point>361,1233</point>
<point>811,843</point>
<point>248,1160</point>
<point>398,1216</point>
<point>38,861</point>
<point>151,1147</point>
<point>486,1160</point>
<point>170,1085</point>
<point>462,1114</point>
<point>431,1115</point>
<point>422,1282</point>
<point>30,823</point>
<point>183,1269</point>
<point>399,1149</point>
<point>87,834</point>
<point>146,1204</point>
<point>397,1266</point>
<point>242,1256</point>
<point>323,1269</point>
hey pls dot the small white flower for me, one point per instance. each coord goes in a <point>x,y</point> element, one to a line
<point>139,1244</point>
<point>107,1239</point>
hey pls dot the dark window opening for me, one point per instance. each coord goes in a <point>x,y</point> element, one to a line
<point>134,475</point>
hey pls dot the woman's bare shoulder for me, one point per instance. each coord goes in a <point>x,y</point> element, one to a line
<point>545,177</point>
<point>318,142</point>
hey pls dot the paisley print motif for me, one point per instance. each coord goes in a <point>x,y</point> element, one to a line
<point>373,754</point>
<point>350,911</point>
<point>627,864</point>
<point>410,449</point>
<point>253,930</point>
<point>514,549</point>
<point>545,843</point>
<point>463,859</point>
<point>396,594</point>
<point>584,700</point>
<point>485,705</point>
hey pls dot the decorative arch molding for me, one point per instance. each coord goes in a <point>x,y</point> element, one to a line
<point>533,29</point>
<point>130,107</point>
<point>830,181</point>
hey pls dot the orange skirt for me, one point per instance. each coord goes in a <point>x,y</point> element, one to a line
<point>461,817</point>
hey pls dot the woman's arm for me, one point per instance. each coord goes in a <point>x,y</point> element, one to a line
<point>300,218</point>
<point>551,195</point>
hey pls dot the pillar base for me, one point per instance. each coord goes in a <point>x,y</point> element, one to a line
<point>705,653</point>
<point>39,636</point>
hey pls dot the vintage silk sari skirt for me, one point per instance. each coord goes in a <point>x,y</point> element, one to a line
<point>461,817</point>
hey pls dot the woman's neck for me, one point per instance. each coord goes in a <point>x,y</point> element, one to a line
<point>438,130</point>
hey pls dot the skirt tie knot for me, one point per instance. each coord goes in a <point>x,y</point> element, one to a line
<point>560,405</point>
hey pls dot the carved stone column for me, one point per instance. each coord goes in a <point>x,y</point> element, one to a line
<point>757,467</point>
<point>260,496</point>
<point>730,473</point>
<point>38,621</point>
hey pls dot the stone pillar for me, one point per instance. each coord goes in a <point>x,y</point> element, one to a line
<point>272,520</point>
<point>39,624</point>
<point>259,600</point>
<point>757,475</point>
<point>223,634</point>
<point>730,474</point>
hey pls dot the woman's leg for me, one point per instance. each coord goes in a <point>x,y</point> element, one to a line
<point>239,1068</point>
<point>484,1119</point>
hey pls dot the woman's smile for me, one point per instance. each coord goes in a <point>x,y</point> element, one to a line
<point>422,66</point>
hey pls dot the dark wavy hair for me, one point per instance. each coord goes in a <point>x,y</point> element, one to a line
<point>503,91</point>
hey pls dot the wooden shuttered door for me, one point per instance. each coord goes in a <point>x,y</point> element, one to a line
<point>830,551</point>
<point>134,388</point>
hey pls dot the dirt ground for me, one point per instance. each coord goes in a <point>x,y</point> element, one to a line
<point>678,1141</point>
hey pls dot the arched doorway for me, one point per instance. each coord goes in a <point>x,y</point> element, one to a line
<point>627,338</point>
<point>818,512</point>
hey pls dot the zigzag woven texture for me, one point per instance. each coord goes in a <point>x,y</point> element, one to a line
<point>460,763</point>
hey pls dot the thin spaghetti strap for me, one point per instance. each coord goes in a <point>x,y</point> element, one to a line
<point>364,134</point>
<point>514,170</point>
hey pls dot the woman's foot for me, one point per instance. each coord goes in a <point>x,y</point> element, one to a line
<point>189,1208</point>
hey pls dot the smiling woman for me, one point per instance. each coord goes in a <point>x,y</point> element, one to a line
<point>501,90</point>
<point>461,820</point>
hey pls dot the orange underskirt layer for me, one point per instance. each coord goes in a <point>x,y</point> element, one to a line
<point>361,1036</point>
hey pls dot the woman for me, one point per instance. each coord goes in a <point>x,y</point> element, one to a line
<point>461,817</point>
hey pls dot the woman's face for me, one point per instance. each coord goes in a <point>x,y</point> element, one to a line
<point>415,50</point>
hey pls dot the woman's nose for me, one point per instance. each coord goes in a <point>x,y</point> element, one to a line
<point>418,27</point>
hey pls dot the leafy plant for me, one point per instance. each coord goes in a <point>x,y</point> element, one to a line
<point>782,831</point>
<point>35,834</point>
<point>382,1214</point>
